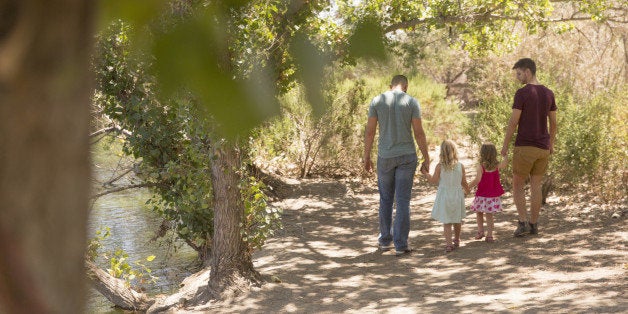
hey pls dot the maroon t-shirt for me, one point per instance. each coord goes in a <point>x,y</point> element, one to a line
<point>535,103</point>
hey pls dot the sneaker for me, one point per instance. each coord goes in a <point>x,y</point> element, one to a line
<point>521,229</point>
<point>386,247</point>
<point>403,251</point>
<point>534,228</point>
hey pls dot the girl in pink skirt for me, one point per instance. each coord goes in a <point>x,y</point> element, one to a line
<point>488,195</point>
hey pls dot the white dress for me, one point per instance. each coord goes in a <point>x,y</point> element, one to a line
<point>449,203</point>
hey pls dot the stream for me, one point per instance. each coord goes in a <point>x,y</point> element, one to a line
<point>132,225</point>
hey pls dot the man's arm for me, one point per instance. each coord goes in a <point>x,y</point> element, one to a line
<point>510,130</point>
<point>369,137</point>
<point>419,136</point>
<point>553,128</point>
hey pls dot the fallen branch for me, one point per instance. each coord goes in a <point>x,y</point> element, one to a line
<point>117,290</point>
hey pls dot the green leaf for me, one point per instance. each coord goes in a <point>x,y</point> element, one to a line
<point>150,258</point>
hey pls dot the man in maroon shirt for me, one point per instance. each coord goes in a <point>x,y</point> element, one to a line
<point>533,107</point>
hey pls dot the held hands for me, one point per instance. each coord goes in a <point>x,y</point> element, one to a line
<point>425,171</point>
<point>505,152</point>
<point>425,167</point>
<point>467,191</point>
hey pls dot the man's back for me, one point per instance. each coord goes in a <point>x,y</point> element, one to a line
<point>535,103</point>
<point>394,111</point>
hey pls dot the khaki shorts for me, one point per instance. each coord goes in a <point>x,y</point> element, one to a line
<point>530,160</point>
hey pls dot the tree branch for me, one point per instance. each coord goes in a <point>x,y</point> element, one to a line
<point>111,129</point>
<point>121,175</point>
<point>487,17</point>
<point>122,188</point>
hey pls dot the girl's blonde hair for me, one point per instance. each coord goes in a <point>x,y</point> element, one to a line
<point>488,156</point>
<point>448,155</point>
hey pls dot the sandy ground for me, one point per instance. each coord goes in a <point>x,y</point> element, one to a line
<point>326,260</point>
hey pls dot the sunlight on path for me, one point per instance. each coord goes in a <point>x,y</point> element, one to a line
<point>325,260</point>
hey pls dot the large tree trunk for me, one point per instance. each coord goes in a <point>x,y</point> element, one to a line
<point>231,264</point>
<point>44,154</point>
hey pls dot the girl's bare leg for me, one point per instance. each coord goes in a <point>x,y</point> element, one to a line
<point>457,228</point>
<point>447,230</point>
<point>479,217</point>
<point>489,225</point>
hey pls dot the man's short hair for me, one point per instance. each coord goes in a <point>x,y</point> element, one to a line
<point>399,79</point>
<point>526,63</point>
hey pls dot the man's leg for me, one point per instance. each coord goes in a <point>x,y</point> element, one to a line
<point>386,185</point>
<point>536,187</point>
<point>518,194</point>
<point>536,184</point>
<point>404,177</point>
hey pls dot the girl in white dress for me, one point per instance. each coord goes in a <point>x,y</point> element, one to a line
<point>449,206</point>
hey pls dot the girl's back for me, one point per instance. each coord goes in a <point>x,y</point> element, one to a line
<point>451,179</point>
<point>449,203</point>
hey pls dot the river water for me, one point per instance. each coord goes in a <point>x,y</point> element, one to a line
<point>132,225</point>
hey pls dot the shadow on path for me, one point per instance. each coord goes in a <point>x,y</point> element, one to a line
<point>326,260</point>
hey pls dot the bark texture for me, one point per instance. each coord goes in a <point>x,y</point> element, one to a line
<point>44,154</point>
<point>231,265</point>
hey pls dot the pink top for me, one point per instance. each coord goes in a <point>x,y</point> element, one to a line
<point>490,185</point>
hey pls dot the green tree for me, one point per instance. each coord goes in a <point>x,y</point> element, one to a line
<point>236,57</point>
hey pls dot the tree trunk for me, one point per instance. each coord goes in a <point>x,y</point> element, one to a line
<point>45,92</point>
<point>231,264</point>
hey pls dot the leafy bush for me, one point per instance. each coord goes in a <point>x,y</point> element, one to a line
<point>261,219</point>
<point>118,261</point>
<point>299,143</point>
<point>591,142</point>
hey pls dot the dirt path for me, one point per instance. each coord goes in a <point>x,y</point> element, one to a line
<point>326,260</point>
